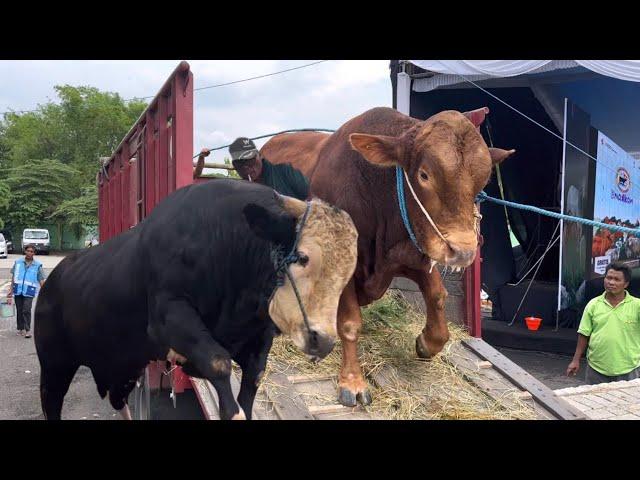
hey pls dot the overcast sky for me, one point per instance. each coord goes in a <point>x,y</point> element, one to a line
<point>320,96</point>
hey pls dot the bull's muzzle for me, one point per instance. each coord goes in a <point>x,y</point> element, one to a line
<point>318,345</point>
<point>460,256</point>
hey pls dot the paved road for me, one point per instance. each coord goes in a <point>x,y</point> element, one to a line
<point>20,377</point>
<point>549,368</point>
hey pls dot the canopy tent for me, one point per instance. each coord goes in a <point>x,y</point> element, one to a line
<point>608,90</point>
<point>620,69</point>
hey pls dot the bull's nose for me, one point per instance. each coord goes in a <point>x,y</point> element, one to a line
<point>460,256</point>
<point>319,345</point>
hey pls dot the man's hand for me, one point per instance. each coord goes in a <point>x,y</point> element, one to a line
<point>573,368</point>
<point>9,299</point>
<point>204,152</point>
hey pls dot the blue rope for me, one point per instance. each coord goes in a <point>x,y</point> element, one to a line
<point>483,196</point>
<point>403,207</point>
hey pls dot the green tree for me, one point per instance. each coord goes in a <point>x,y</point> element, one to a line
<point>79,212</point>
<point>37,188</point>
<point>86,124</point>
<point>4,201</point>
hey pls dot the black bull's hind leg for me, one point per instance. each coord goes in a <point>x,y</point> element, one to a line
<point>178,323</point>
<point>54,384</point>
<point>58,365</point>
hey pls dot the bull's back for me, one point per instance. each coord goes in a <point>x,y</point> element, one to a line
<point>300,149</point>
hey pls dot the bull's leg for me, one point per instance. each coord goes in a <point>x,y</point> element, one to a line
<point>119,395</point>
<point>253,361</point>
<point>188,337</point>
<point>125,413</point>
<point>352,386</point>
<point>435,333</point>
<point>54,384</point>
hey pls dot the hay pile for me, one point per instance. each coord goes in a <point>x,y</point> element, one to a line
<point>422,389</point>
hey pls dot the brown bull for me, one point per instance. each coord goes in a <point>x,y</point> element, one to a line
<point>447,163</point>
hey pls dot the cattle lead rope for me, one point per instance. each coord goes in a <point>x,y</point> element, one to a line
<point>403,208</point>
<point>293,257</point>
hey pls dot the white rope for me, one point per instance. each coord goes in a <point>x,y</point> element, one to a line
<point>426,214</point>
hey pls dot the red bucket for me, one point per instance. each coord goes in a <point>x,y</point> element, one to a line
<point>533,323</point>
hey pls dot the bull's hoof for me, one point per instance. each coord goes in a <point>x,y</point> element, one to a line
<point>347,397</point>
<point>364,398</point>
<point>240,415</point>
<point>421,348</point>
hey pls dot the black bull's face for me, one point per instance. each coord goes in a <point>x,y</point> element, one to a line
<point>328,252</point>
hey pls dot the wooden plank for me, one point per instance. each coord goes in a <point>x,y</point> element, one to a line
<point>287,402</point>
<point>208,397</point>
<point>387,377</point>
<point>489,381</point>
<point>334,408</point>
<point>307,378</point>
<point>495,385</point>
<point>524,380</point>
<point>208,402</point>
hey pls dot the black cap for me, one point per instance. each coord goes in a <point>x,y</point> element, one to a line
<point>243,149</point>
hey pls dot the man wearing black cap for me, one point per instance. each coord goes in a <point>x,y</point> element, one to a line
<point>250,165</point>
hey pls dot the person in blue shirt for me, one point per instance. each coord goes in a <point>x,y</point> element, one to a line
<point>28,276</point>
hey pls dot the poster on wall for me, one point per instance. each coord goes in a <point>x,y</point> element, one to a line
<point>577,200</point>
<point>616,202</point>
<point>605,188</point>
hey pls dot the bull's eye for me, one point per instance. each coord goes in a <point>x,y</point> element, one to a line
<point>424,176</point>
<point>303,260</point>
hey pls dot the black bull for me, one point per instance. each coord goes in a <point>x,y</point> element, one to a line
<point>194,275</point>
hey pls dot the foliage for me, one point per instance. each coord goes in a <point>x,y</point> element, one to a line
<point>71,135</point>
<point>37,187</point>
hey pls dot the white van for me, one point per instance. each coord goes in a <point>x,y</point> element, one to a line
<point>38,237</point>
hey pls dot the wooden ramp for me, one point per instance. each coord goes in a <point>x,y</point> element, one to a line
<point>506,382</point>
<point>294,396</point>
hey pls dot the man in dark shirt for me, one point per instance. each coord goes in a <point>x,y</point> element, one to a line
<point>250,165</point>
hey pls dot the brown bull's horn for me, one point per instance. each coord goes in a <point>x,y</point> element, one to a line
<point>293,206</point>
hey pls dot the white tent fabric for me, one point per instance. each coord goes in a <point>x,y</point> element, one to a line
<point>493,68</point>
<point>481,69</point>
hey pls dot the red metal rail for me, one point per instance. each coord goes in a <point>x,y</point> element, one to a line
<point>153,159</point>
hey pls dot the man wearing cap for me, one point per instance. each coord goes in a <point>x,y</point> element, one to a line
<point>250,165</point>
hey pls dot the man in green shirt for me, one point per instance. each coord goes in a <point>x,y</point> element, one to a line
<point>610,331</point>
<point>250,165</point>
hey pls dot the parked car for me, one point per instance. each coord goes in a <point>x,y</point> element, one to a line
<point>38,237</point>
<point>3,247</point>
<point>8,240</point>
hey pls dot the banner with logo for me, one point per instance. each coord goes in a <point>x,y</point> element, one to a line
<point>606,189</point>
<point>616,202</point>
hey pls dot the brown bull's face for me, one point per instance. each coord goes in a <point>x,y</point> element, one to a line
<point>328,252</point>
<point>448,164</point>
